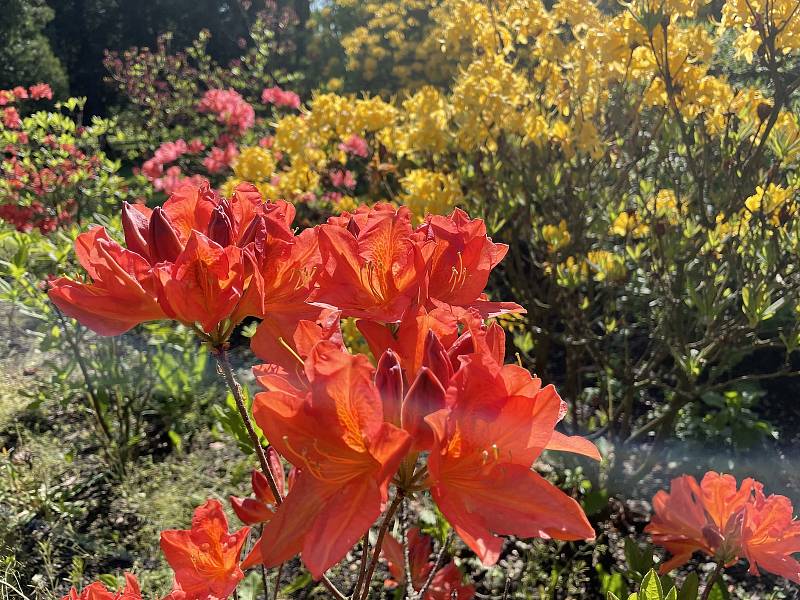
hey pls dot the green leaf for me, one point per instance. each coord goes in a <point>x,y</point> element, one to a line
<point>691,587</point>
<point>298,584</point>
<point>718,592</point>
<point>175,438</point>
<point>651,587</point>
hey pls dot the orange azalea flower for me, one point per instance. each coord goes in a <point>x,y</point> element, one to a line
<point>123,292</point>
<point>205,558</point>
<point>498,421</point>
<point>771,535</point>
<point>334,432</point>
<point>423,354</point>
<point>203,284</point>
<point>252,511</point>
<point>98,591</point>
<point>199,258</point>
<point>446,582</point>
<point>726,523</point>
<point>463,257</point>
<point>372,267</point>
<point>420,547</point>
<point>284,337</point>
<point>375,265</point>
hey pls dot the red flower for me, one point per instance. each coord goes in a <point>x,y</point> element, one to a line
<point>498,422</point>
<point>98,591</point>
<point>334,433</point>
<point>11,118</point>
<point>252,511</point>
<point>448,583</point>
<point>205,558</point>
<point>726,523</point>
<point>123,292</point>
<point>376,266</point>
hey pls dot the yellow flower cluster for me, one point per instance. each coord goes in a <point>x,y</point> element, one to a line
<point>429,193</point>
<point>392,44</point>
<point>254,164</point>
<point>515,71</point>
<point>757,21</point>
<point>556,236</point>
<point>769,201</point>
<point>563,81</point>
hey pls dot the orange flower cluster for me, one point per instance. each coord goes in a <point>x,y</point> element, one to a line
<point>437,410</point>
<point>200,259</point>
<point>726,523</point>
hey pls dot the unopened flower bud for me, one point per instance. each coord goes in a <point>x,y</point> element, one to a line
<point>164,243</point>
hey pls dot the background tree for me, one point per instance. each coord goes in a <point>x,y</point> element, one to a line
<point>25,54</point>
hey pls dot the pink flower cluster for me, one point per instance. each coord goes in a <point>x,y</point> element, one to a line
<point>279,97</point>
<point>39,91</point>
<point>11,118</point>
<point>230,108</point>
<point>174,179</point>
<point>220,158</point>
<point>168,152</point>
<point>342,179</point>
<point>355,145</point>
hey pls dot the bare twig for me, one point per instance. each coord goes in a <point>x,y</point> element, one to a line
<point>373,563</point>
<point>711,581</point>
<point>225,369</point>
<point>437,564</point>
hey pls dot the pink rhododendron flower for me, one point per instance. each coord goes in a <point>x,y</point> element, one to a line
<point>220,158</point>
<point>279,97</point>
<point>230,108</point>
<point>343,179</point>
<point>20,92</point>
<point>355,145</point>
<point>41,91</point>
<point>11,118</point>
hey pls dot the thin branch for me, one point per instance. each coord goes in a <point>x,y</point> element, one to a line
<point>332,589</point>
<point>437,564</point>
<point>406,554</point>
<point>362,570</point>
<point>711,581</point>
<point>224,364</point>
<point>387,520</point>
<point>95,401</point>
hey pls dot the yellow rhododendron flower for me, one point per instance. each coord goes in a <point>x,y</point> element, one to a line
<point>430,193</point>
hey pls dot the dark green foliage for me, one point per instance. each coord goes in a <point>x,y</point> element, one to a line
<point>25,54</point>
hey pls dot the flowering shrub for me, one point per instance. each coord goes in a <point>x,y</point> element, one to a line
<point>606,147</point>
<point>171,97</point>
<point>53,168</point>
